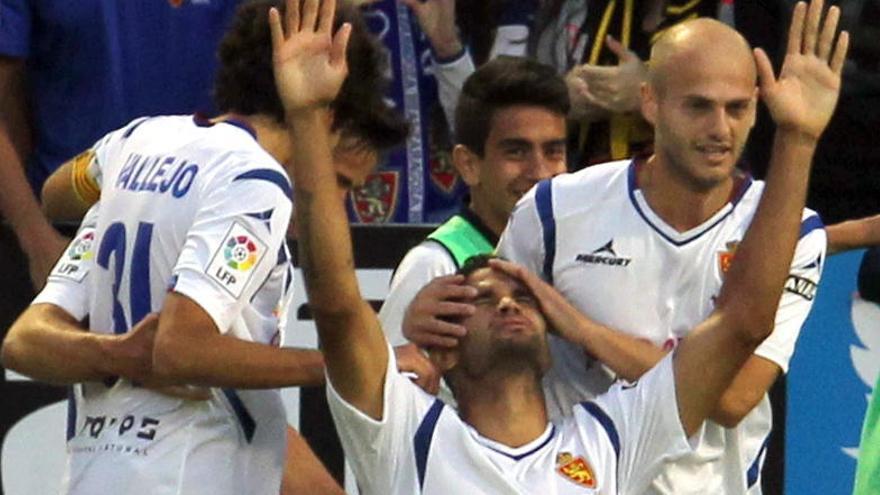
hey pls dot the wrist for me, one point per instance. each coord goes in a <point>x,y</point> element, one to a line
<point>795,135</point>
<point>447,49</point>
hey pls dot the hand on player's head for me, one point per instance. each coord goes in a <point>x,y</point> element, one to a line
<point>430,319</point>
<point>309,60</point>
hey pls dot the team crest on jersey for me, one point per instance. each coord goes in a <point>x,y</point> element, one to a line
<point>79,251</point>
<point>575,469</point>
<point>376,200</point>
<point>442,173</point>
<point>232,264</point>
<point>725,258</point>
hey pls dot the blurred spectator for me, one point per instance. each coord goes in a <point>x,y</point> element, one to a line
<point>71,71</point>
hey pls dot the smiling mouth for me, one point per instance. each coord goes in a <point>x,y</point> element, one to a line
<point>714,152</point>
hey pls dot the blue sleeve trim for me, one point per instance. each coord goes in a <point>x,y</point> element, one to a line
<point>134,125</point>
<point>606,422</point>
<point>269,175</point>
<point>71,413</point>
<point>544,203</point>
<point>422,440</point>
<point>810,224</point>
<point>754,472</point>
<point>248,425</point>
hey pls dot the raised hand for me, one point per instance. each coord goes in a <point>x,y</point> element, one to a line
<point>426,321</point>
<point>309,60</point>
<point>804,96</point>
<point>437,20</point>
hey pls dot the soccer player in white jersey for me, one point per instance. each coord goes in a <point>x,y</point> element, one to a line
<point>643,247</point>
<point>401,440</point>
<point>192,223</point>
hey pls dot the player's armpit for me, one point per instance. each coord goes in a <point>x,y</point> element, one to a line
<point>69,192</point>
<point>745,392</point>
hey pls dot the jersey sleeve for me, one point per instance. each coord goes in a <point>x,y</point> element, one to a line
<point>797,295</point>
<point>377,449</point>
<point>66,286</point>
<point>642,423</point>
<point>421,264</point>
<point>522,240</point>
<point>236,239</point>
<point>15,34</point>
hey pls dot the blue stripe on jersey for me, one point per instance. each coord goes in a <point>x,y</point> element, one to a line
<point>522,456</point>
<point>71,413</point>
<point>606,423</point>
<point>812,223</point>
<point>544,203</point>
<point>754,471</point>
<point>424,435</point>
<point>248,425</point>
<point>633,187</point>
<point>273,176</point>
<point>134,125</point>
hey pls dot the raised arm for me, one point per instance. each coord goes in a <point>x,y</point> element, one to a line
<point>801,102</point>
<point>309,70</point>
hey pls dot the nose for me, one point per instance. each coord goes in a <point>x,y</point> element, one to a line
<point>719,123</point>
<point>508,305</point>
<point>540,167</point>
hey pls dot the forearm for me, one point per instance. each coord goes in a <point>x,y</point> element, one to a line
<point>224,361</point>
<point>629,357</point>
<point>47,344</point>
<point>853,234</point>
<point>354,346</point>
<point>754,283</point>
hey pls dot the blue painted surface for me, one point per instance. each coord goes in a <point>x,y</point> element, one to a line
<point>826,397</point>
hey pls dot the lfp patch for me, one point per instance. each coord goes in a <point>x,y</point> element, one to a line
<point>232,264</point>
<point>72,265</point>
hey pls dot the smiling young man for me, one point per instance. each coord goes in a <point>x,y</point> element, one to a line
<point>401,440</point>
<point>510,134</point>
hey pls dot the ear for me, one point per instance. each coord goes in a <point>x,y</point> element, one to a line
<point>648,102</point>
<point>443,359</point>
<point>467,163</point>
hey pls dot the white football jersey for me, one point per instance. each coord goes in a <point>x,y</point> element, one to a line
<point>615,444</point>
<point>595,238</point>
<point>202,210</point>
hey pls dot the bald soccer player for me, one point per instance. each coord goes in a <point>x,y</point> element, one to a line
<point>643,247</point>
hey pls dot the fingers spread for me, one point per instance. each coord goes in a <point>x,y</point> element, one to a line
<point>840,50</point>
<point>829,29</point>
<point>340,45</point>
<point>328,11</point>
<point>796,30</point>
<point>275,28</point>
<point>765,69</point>
<point>309,15</point>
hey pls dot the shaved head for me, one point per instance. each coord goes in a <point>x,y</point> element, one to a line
<point>698,43</point>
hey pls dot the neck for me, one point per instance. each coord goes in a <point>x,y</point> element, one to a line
<point>508,409</point>
<point>492,221</point>
<point>680,203</point>
<point>271,135</point>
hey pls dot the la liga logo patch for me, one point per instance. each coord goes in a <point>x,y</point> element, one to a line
<point>70,266</point>
<point>240,253</point>
<point>233,262</point>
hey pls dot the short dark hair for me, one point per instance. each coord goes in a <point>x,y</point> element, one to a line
<point>474,263</point>
<point>245,81</point>
<point>500,83</point>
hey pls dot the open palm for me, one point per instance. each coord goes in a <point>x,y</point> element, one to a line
<point>309,60</point>
<point>806,92</point>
